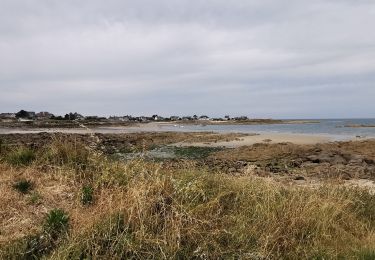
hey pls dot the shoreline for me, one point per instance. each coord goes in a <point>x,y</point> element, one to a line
<point>252,138</point>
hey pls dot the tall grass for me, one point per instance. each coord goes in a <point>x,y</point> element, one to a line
<point>143,210</point>
<point>199,215</point>
<point>21,157</point>
<point>67,152</point>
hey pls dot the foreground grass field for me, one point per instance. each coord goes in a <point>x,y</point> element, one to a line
<point>68,201</point>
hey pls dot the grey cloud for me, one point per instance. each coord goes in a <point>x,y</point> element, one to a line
<point>260,58</point>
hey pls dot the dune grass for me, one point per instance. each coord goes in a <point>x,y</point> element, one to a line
<point>21,156</point>
<point>105,209</point>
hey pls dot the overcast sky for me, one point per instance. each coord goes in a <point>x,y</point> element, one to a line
<point>260,58</point>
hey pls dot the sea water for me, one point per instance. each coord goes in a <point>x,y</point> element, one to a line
<point>336,128</point>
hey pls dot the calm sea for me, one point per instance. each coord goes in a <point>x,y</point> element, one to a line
<point>328,127</point>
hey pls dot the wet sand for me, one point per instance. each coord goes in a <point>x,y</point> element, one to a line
<point>265,138</point>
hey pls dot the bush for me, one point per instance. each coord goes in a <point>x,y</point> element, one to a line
<point>21,157</point>
<point>23,186</point>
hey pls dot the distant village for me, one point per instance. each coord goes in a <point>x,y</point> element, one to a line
<point>27,116</point>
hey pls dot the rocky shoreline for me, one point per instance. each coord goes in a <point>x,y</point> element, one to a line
<point>282,161</point>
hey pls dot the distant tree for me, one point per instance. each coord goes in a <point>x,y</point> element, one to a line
<point>57,118</point>
<point>71,116</point>
<point>22,114</point>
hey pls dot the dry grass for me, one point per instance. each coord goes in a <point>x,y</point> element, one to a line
<point>143,210</point>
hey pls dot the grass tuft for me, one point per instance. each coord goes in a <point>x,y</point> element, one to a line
<point>23,186</point>
<point>69,152</point>
<point>57,221</point>
<point>21,157</point>
<point>87,197</point>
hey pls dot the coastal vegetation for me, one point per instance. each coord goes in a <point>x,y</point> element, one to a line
<point>68,199</point>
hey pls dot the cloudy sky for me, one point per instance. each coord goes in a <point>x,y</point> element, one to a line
<point>261,58</point>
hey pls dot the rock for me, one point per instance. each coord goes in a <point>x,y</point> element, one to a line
<point>357,159</point>
<point>346,176</point>
<point>299,178</point>
<point>327,158</point>
<point>338,159</point>
<point>250,170</point>
<point>321,158</point>
<point>369,161</point>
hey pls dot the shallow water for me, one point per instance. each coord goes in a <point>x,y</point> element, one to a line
<point>327,127</point>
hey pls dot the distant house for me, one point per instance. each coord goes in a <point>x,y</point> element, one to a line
<point>26,115</point>
<point>227,117</point>
<point>7,116</point>
<point>120,118</point>
<point>92,118</point>
<point>114,118</point>
<point>32,114</point>
<point>126,118</point>
<point>204,118</point>
<point>44,115</point>
<point>187,118</point>
<point>74,116</point>
<point>174,118</point>
<point>79,116</point>
<point>241,118</point>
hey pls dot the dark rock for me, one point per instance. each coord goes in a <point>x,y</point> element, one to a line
<point>338,159</point>
<point>327,158</point>
<point>299,178</point>
<point>369,161</point>
<point>357,159</point>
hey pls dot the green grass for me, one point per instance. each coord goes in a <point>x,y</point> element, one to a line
<point>195,152</point>
<point>40,244</point>
<point>366,254</point>
<point>21,157</point>
<point>57,221</point>
<point>87,196</point>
